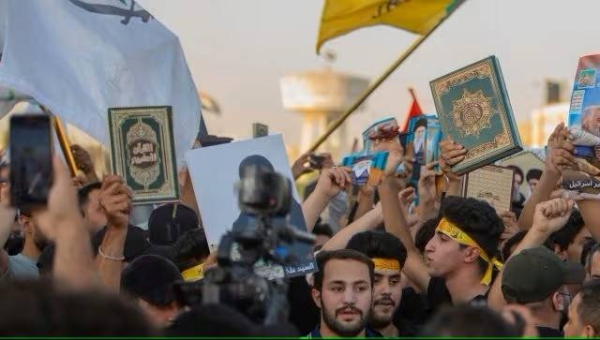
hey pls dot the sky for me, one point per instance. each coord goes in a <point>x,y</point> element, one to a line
<point>237,52</point>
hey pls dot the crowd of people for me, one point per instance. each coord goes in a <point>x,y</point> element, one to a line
<point>387,266</point>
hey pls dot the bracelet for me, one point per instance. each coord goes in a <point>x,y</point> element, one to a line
<point>121,258</point>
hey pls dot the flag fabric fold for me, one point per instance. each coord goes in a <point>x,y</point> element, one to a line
<point>344,16</point>
<point>415,110</point>
<point>81,57</point>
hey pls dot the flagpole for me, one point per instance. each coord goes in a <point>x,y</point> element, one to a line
<point>361,99</point>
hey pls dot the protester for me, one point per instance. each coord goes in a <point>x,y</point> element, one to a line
<point>149,280</point>
<point>593,263</point>
<point>322,233</point>
<point>584,313</point>
<point>389,256</point>
<point>568,242</point>
<point>89,202</point>
<point>468,321</point>
<point>343,291</point>
<point>189,253</point>
<point>538,278</point>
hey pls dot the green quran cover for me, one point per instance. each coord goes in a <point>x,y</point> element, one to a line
<point>143,152</point>
<point>474,110</point>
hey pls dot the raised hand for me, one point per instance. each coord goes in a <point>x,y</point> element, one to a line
<point>83,160</point>
<point>427,185</point>
<point>559,155</point>
<point>301,166</point>
<point>511,227</point>
<point>115,199</point>
<point>62,206</point>
<point>332,181</point>
<point>552,215</point>
<point>451,153</point>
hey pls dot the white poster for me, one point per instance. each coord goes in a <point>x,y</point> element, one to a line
<point>214,172</point>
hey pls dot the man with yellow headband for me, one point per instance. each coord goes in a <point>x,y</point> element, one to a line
<point>388,255</point>
<point>461,254</point>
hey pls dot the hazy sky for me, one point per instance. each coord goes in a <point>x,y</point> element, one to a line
<point>238,50</point>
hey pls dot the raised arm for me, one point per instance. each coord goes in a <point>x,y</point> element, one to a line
<point>557,156</point>
<point>549,217</point>
<point>331,182</point>
<point>451,153</point>
<point>115,199</point>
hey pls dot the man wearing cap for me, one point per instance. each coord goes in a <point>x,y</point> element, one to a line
<point>537,279</point>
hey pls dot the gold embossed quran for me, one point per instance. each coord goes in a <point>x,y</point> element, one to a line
<point>143,152</point>
<point>474,110</point>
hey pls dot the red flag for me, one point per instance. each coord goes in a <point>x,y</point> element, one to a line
<point>415,110</point>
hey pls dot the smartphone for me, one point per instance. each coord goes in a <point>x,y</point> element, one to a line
<point>31,150</point>
<point>316,161</point>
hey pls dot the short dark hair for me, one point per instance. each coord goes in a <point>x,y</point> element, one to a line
<point>41,308</point>
<point>83,194</point>
<point>589,308</point>
<point>590,247</point>
<point>566,235</point>
<point>322,229</point>
<point>534,174</point>
<point>151,278</point>
<point>517,170</point>
<point>511,242</point>
<point>190,248</point>
<point>590,254</point>
<point>476,218</point>
<point>378,244</point>
<point>426,233</point>
<point>341,254</point>
<point>467,321</point>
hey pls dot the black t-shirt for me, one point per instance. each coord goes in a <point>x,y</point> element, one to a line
<point>547,332</point>
<point>438,295</point>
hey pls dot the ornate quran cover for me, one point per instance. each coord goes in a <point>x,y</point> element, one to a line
<point>474,110</point>
<point>584,124</point>
<point>143,152</point>
<point>492,184</point>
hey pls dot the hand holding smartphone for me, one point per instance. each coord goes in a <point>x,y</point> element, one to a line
<point>31,172</point>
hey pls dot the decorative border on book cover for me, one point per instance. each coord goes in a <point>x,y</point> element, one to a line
<point>472,113</point>
<point>143,152</point>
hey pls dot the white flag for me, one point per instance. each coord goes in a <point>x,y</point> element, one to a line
<point>81,57</point>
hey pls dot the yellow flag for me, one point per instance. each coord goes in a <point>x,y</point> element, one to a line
<point>344,16</point>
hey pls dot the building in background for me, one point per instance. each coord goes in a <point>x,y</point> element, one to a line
<point>321,96</point>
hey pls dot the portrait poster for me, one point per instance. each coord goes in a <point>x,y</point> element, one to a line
<point>584,124</point>
<point>215,170</point>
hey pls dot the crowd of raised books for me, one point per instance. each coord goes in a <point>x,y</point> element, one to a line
<point>418,234</point>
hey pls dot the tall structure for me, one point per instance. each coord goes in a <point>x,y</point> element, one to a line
<point>321,96</point>
<point>535,132</point>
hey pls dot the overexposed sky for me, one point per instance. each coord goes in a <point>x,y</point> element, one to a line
<point>239,49</point>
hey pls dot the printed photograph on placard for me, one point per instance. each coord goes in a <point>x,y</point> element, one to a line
<point>143,152</point>
<point>584,124</point>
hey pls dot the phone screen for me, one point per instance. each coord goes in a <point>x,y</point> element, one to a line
<point>30,159</point>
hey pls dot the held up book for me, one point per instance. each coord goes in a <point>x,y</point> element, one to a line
<point>584,124</point>
<point>474,110</point>
<point>492,184</point>
<point>143,152</point>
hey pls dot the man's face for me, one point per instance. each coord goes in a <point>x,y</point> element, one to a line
<point>443,254</point>
<point>595,266</point>
<point>386,300</point>
<point>533,183</point>
<point>420,132</point>
<point>574,250</point>
<point>592,121</point>
<point>95,217</point>
<point>517,181</point>
<point>574,327</point>
<point>346,297</point>
<point>33,232</point>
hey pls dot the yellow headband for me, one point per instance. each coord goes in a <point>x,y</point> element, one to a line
<point>386,264</point>
<point>451,230</point>
<point>193,274</point>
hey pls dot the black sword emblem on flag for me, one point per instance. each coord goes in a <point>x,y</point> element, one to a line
<point>127,14</point>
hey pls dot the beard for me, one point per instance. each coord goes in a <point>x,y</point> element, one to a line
<point>344,329</point>
<point>418,144</point>
<point>383,320</point>
<point>40,242</point>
